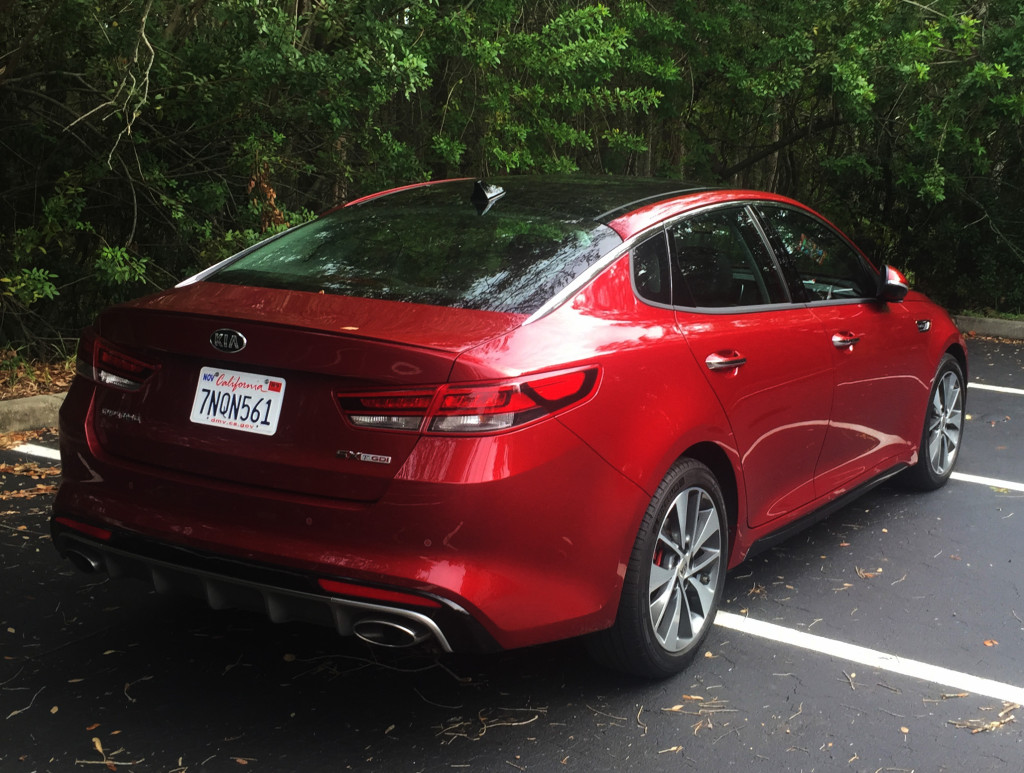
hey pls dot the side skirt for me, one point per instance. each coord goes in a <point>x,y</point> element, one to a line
<point>811,518</point>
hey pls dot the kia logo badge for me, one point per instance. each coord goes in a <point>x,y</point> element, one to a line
<point>227,340</point>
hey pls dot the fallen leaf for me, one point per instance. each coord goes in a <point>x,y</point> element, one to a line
<point>991,643</point>
<point>92,727</point>
<point>54,710</point>
<point>28,493</point>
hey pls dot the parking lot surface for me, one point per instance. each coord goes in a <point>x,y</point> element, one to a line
<point>888,637</point>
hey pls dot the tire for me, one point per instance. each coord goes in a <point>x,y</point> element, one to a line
<point>674,580</point>
<point>943,428</point>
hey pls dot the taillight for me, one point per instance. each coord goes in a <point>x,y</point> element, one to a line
<point>99,361</point>
<point>457,409</point>
<point>394,410</point>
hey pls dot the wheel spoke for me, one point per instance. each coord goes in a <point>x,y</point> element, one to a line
<point>709,531</point>
<point>705,594</point>
<point>707,558</point>
<point>662,584</point>
<point>667,626</point>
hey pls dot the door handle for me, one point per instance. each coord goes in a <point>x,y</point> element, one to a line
<point>844,340</point>
<point>725,360</point>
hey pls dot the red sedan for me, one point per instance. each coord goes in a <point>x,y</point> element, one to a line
<point>493,414</point>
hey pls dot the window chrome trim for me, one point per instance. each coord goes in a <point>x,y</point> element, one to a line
<point>202,275</point>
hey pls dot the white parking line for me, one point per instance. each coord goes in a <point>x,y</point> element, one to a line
<point>995,482</point>
<point>873,658</point>
<point>991,388</point>
<point>31,449</point>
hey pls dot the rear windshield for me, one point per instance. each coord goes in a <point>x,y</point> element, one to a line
<point>430,245</point>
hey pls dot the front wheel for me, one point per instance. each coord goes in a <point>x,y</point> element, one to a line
<point>674,580</point>
<point>943,428</point>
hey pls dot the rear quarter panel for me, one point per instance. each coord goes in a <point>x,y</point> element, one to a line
<point>652,402</point>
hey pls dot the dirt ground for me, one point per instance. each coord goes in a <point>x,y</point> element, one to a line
<point>20,377</point>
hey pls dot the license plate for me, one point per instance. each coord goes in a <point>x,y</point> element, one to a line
<point>235,400</point>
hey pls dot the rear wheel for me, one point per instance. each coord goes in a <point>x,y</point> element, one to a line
<point>943,428</point>
<point>673,584</point>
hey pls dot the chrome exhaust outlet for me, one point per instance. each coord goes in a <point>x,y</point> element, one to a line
<point>86,562</point>
<point>390,633</point>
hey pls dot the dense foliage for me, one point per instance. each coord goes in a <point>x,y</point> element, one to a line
<point>145,139</point>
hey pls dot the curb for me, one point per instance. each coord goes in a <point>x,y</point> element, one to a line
<point>990,326</point>
<point>26,413</point>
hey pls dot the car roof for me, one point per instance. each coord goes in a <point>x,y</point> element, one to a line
<point>600,199</point>
<point>628,205</point>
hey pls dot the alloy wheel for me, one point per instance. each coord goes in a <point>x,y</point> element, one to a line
<point>945,423</point>
<point>685,569</point>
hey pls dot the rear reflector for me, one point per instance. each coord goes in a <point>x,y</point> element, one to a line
<point>93,531</point>
<point>459,409</point>
<point>378,594</point>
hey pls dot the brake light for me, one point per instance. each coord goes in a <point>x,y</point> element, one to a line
<point>457,409</point>
<point>99,361</point>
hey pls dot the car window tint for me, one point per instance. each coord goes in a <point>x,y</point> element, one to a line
<point>827,267</point>
<point>651,270</point>
<point>431,246</point>
<point>720,260</point>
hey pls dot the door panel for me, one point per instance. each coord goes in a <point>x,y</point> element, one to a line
<point>869,429</point>
<point>768,362</point>
<point>778,400</point>
<point>874,346</point>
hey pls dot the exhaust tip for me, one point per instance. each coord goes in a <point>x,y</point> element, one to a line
<point>390,633</point>
<point>86,562</point>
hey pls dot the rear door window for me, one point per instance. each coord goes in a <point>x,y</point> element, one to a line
<point>719,260</point>
<point>651,271</point>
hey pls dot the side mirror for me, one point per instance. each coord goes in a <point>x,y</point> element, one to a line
<point>893,285</point>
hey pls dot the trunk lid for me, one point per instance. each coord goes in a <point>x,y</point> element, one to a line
<point>307,347</point>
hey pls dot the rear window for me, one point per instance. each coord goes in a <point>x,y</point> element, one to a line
<point>429,245</point>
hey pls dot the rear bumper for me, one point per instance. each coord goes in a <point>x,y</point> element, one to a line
<point>283,596</point>
<point>520,538</point>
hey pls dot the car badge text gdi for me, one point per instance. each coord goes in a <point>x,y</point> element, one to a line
<point>227,340</point>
